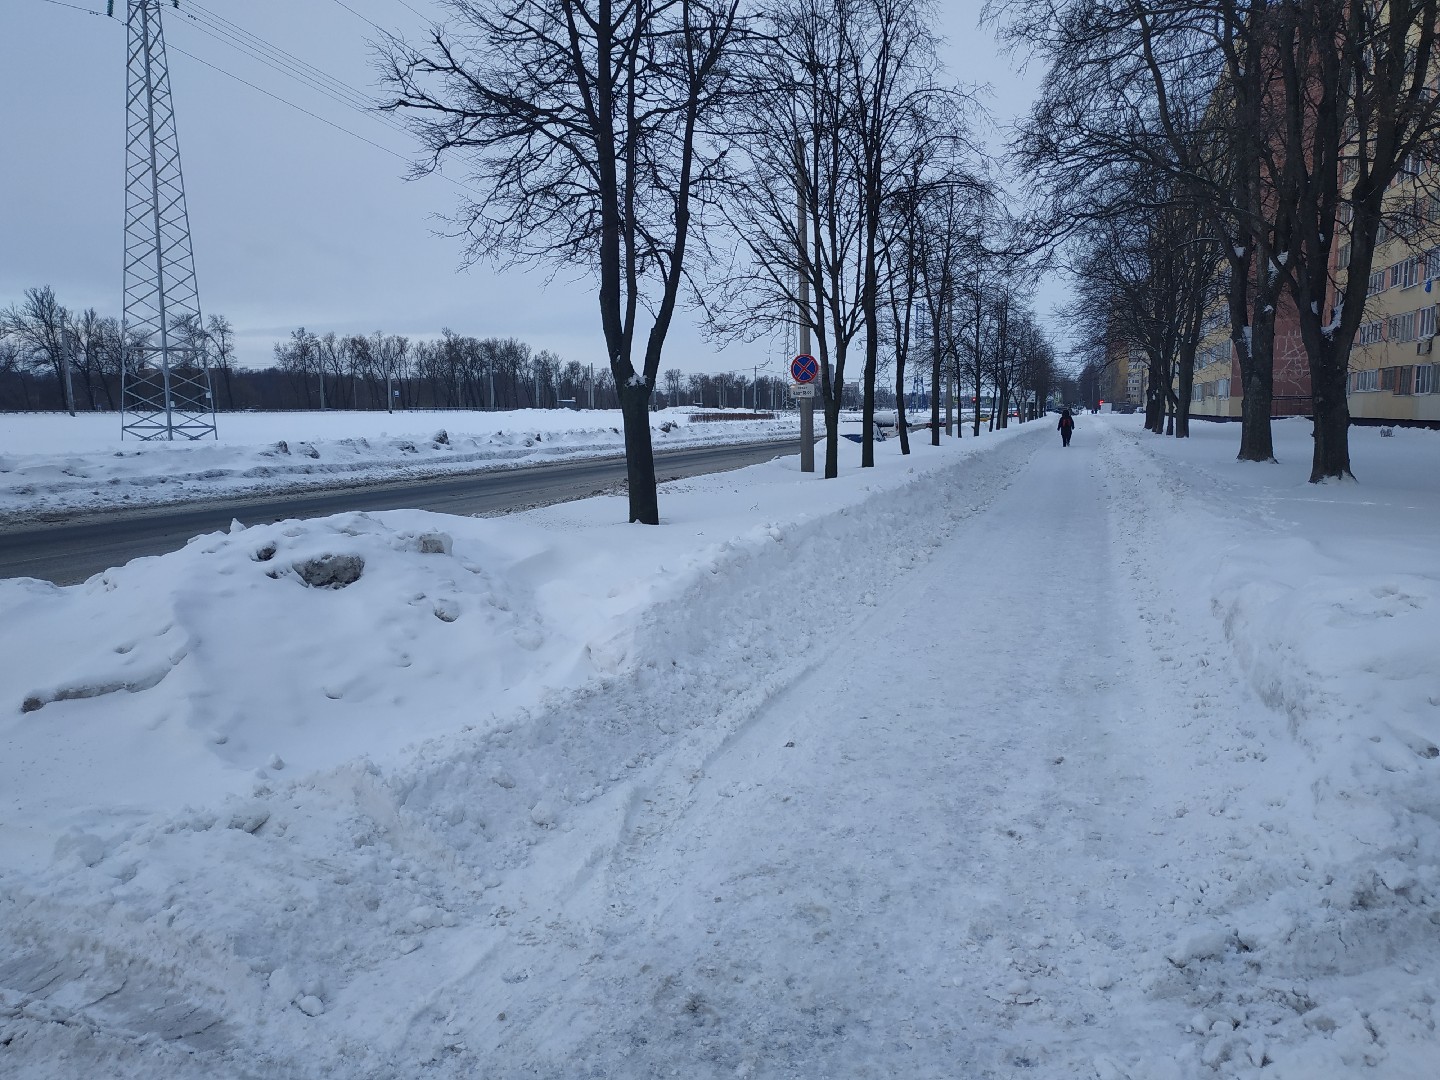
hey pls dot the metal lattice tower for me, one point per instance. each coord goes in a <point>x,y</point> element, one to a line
<point>165,382</point>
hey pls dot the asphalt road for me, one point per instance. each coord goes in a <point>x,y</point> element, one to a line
<point>70,551</point>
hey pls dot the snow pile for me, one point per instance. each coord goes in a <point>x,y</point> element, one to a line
<point>1327,598</point>
<point>995,760</point>
<point>51,464</point>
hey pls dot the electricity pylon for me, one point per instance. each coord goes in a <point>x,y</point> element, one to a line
<point>165,380</point>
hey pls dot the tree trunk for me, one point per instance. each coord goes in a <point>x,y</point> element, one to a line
<point>639,453</point>
<point>1258,375</point>
<point>900,418</point>
<point>867,408</point>
<point>832,438</point>
<point>935,397</point>
<point>1332,422</point>
<point>1154,406</point>
<point>1186,373</point>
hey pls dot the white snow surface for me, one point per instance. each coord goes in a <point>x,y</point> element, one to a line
<point>55,464</point>
<point>999,760</point>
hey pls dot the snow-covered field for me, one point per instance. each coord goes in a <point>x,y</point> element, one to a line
<point>995,761</point>
<point>54,464</point>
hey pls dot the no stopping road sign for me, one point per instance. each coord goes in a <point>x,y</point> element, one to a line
<point>804,368</point>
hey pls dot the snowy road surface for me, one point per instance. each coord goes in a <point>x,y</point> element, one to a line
<point>1027,801</point>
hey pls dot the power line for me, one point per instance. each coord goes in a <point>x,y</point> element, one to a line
<point>76,7</point>
<point>364,19</point>
<point>285,101</point>
<point>277,59</point>
<point>316,116</point>
<point>302,71</point>
<point>293,67</point>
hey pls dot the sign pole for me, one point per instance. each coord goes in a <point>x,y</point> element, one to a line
<point>807,404</point>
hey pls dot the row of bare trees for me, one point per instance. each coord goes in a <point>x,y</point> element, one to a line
<point>44,346</point>
<point>1262,138</point>
<point>52,357</point>
<point>797,163</point>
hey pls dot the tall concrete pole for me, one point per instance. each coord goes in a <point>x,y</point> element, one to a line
<point>807,404</point>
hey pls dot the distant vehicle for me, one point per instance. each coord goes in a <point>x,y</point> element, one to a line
<point>854,430</point>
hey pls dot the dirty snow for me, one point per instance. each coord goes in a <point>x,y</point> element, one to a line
<point>995,761</point>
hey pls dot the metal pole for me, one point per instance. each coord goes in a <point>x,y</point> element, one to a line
<point>155,212</point>
<point>807,404</point>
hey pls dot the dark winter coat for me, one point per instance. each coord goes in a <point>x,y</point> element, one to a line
<point>1067,422</point>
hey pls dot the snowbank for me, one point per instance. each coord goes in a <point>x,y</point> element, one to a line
<point>306,799</point>
<point>1325,601</point>
<point>52,463</point>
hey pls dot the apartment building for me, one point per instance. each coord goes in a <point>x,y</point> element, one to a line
<point>1393,364</point>
<point>1218,388</point>
<point>1126,374</point>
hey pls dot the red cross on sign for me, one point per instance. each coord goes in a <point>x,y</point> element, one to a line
<point>804,369</point>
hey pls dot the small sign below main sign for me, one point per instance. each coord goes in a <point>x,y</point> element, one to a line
<point>802,390</point>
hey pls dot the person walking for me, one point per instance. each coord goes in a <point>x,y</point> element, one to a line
<point>1067,425</point>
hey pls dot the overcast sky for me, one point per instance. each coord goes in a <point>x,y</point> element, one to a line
<point>296,222</point>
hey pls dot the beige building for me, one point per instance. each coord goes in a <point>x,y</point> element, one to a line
<point>1393,365</point>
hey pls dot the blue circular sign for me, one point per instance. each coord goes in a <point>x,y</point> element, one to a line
<point>804,368</point>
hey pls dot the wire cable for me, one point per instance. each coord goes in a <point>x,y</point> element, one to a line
<point>362,18</point>
<point>76,7</point>
<point>292,66</point>
<point>316,116</point>
<point>410,9</point>
<point>284,101</point>
<point>328,85</point>
<point>280,60</point>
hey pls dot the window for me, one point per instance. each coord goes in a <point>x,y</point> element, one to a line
<point>1425,322</point>
<point>1425,379</point>
<point>1432,263</point>
<point>1365,381</point>
<point>1413,267</point>
<point>1396,272</point>
<point>1396,379</point>
<point>1402,327</point>
<point>1377,283</point>
<point>1222,388</point>
<point>1343,259</point>
<point>1370,333</point>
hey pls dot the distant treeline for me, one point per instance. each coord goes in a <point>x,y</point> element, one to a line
<point>53,359</point>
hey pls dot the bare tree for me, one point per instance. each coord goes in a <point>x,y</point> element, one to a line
<point>889,71</point>
<point>797,264</point>
<point>40,323</point>
<point>1357,81</point>
<point>945,243</point>
<point>592,125</point>
<point>1184,89</point>
<point>221,337</point>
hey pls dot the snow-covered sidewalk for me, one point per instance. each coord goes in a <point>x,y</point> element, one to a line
<point>1001,760</point>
